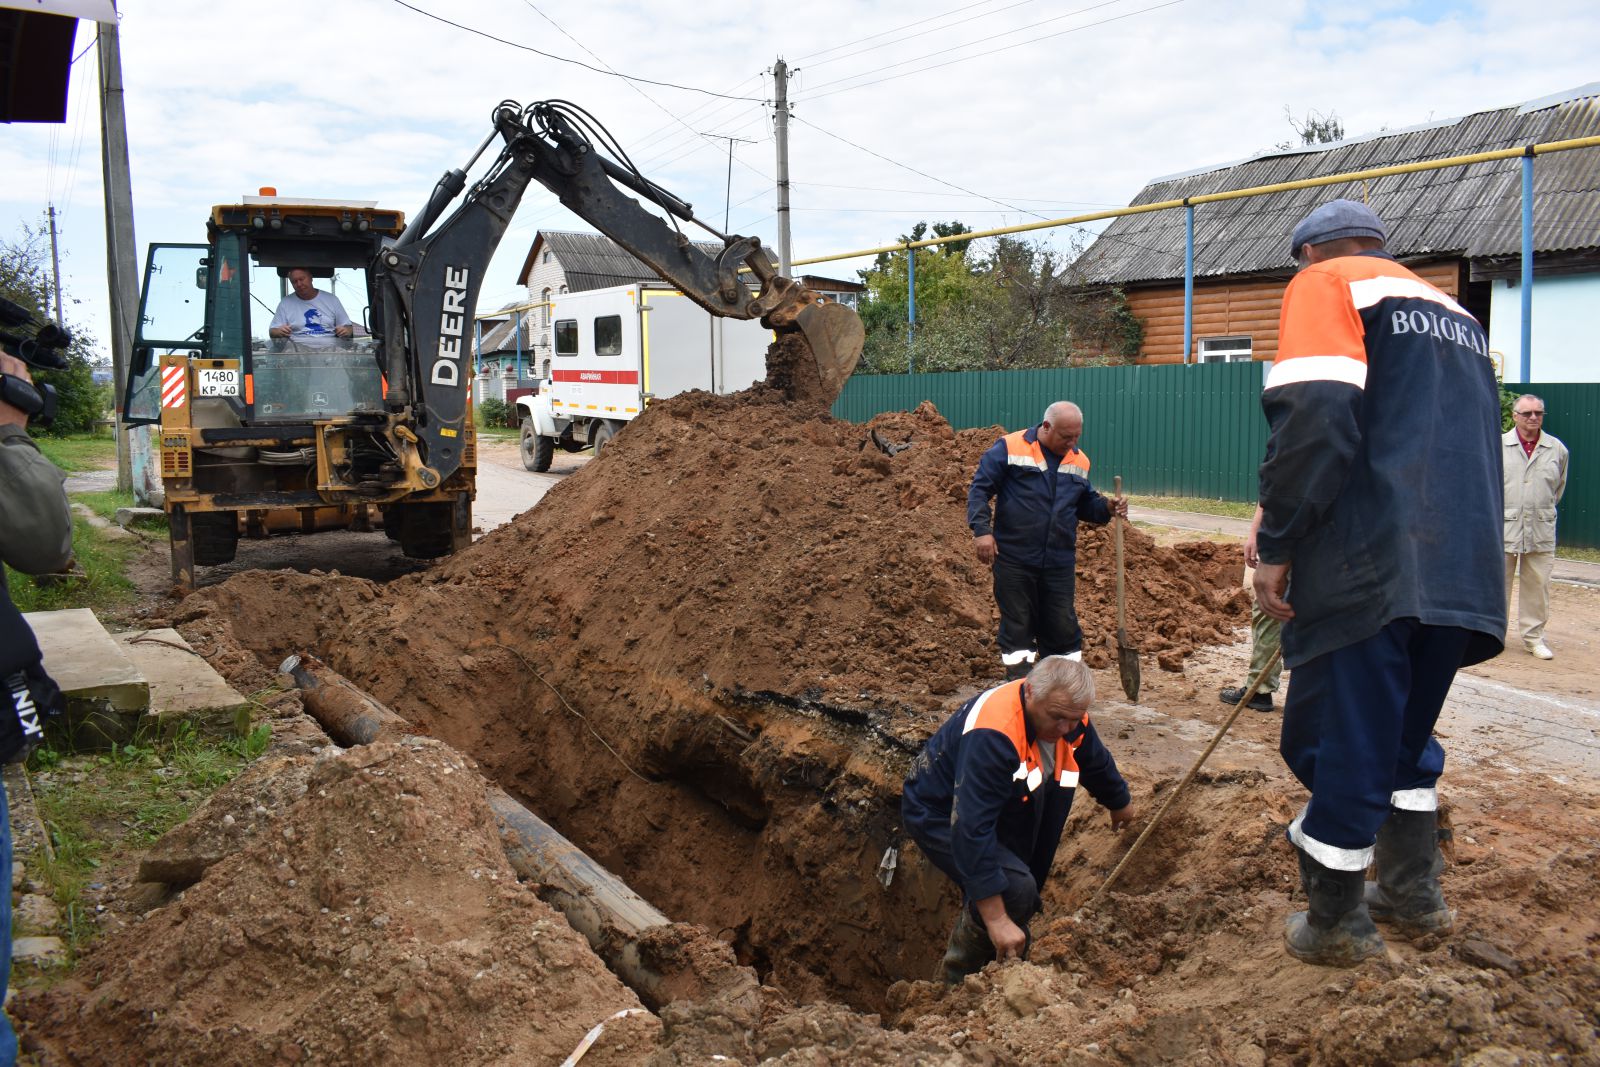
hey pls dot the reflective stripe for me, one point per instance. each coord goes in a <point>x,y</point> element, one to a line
<point>1076,657</point>
<point>977,706</point>
<point>1022,655</point>
<point>1345,369</point>
<point>1026,461</point>
<point>1032,775</point>
<point>1369,291</point>
<point>1330,856</point>
<point>1415,799</point>
<point>1069,779</point>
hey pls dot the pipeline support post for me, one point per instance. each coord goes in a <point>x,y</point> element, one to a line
<point>1527,264</point>
<point>911,310</point>
<point>1188,279</point>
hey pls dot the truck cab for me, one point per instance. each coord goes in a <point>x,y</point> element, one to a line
<point>614,350</point>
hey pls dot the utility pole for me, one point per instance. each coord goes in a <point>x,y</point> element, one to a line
<point>55,262</point>
<point>727,199</point>
<point>780,82</point>
<point>133,445</point>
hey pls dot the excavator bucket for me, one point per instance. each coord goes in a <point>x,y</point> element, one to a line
<point>835,336</point>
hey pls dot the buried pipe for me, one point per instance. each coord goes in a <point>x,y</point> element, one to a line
<point>350,716</point>
<point>597,904</point>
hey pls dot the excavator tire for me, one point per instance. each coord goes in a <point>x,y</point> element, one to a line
<point>425,531</point>
<point>215,535</point>
<point>537,451</point>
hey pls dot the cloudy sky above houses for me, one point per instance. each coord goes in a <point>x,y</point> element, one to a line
<point>992,113</point>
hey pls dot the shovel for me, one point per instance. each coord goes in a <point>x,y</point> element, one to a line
<point>1127,655</point>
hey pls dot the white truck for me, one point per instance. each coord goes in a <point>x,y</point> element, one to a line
<point>614,350</point>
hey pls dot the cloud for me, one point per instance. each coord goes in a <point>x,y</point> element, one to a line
<point>367,99</point>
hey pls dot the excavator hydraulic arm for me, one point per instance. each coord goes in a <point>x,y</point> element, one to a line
<point>426,284</point>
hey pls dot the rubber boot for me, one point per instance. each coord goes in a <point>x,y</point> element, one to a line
<point>967,950</point>
<point>1018,670</point>
<point>1407,893</point>
<point>1335,931</point>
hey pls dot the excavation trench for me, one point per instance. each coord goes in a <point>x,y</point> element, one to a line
<point>707,657</point>
<point>766,824</point>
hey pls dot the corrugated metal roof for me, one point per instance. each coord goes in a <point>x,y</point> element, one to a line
<point>501,337</point>
<point>1473,211</point>
<point>591,261</point>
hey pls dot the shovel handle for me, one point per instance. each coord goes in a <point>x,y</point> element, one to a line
<point>1117,537</point>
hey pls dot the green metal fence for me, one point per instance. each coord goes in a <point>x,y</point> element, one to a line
<point>1193,430</point>
<point>1573,414</point>
<point>1172,430</point>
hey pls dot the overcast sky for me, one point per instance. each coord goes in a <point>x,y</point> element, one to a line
<point>992,113</point>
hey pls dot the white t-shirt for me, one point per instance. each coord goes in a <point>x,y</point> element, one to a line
<point>311,322</point>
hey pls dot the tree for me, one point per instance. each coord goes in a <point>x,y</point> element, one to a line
<point>1314,128</point>
<point>1016,306</point>
<point>25,280</point>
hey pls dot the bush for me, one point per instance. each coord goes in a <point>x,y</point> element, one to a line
<point>494,412</point>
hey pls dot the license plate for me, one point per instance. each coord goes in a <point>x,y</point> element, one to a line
<point>219,381</point>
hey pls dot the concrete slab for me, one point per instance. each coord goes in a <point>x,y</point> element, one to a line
<point>181,683</point>
<point>40,952</point>
<point>128,516</point>
<point>106,694</point>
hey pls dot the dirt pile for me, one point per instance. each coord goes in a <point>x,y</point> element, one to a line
<point>373,920</point>
<point>743,541</point>
<point>689,660</point>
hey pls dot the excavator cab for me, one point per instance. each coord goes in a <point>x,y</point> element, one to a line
<point>265,433</point>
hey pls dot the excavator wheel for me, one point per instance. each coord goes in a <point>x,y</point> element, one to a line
<point>425,530</point>
<point>537,451</point>
<point>216,536</point>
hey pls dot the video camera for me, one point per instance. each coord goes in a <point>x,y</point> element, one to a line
<point>45,349</point>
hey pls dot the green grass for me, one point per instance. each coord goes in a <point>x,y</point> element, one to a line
<point>1199,504</point>
<point>1583,555</point>
<point>102,585</point>
<point>80,452</point>
<point>100,809</point>
<point>105,504</point>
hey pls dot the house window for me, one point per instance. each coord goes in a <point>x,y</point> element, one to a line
<point>608,335</point>
<point>547,256</point>
<point>567,337</point>
<point>1225,350</point>
<point>544,311</point>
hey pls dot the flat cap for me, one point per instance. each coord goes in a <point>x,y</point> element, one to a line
<point>1333,220</point>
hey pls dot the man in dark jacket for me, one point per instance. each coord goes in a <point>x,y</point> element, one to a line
<point>35,538</point>
<point>1379,548</point>
<point>988,797</point>
<point>1039,481</point>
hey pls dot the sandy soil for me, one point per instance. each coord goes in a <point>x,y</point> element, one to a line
<point>706,658</point>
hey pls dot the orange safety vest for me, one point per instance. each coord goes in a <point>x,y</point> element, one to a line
<point>1001,709</point>
<point>1021,452</point>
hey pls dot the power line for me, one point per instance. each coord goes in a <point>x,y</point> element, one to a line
<point>951,26</point>
<point>674,116</point>
<point>564,59</point>
<point>934,192</point>
<point>952,185</point>
<point>980,55</point>
<point>897,29</point>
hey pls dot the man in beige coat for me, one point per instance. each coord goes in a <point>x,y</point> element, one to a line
<point>1535,466</point>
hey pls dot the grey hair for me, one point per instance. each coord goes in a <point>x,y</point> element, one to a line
<point>1065,406</point>
<point>1069,677</point>
<point>1528,396</point>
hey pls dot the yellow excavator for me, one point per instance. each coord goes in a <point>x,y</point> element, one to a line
<point>368,420</point>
